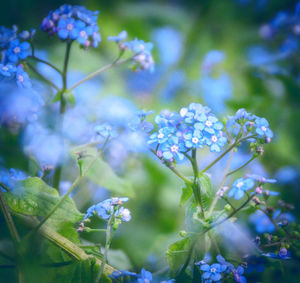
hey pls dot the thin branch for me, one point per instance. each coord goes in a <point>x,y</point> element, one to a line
<point>46,63</point>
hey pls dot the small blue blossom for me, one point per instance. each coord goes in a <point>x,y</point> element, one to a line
<point>167,119</point>
<point>172,149</point>
<point>7,70</point>
<point>194,112</point>
<point>106,130</point>
<point>216,141</point>
<point>212,272</point>
<point>239,187</point>
<point>7,35</point>
<point>262,128</point>
<point>106,208</point>
<point>120,274</point>
<point>193,139</point>
<point>142,56</point>
<point>145,276</point>
<point>120,37</point>
<point>261,179</point>
<point>282,254</point>
<point>17,51</point>
<point>22,78</point>
<point>238,275</point>
<point>11,177</point>
<point>161,136</point>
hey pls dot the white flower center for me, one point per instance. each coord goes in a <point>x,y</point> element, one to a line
<point>160,135</point>
<point>239,184</point>
<point>82,33</point>
<point>20,78</point>
<point>208,123</point>
<point>174,148</point>
<point>17,49</point>
<point>69,27</point>
<point>195,140</point>
<point>4,68</point>
<point>264,128</point>
<point>214,139</point>
<point>213,270</point>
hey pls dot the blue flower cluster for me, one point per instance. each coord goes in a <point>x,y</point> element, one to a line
<point>109,207</point>
<point>141,50</point>
<point>250,124</point>
<point>14,50</point>
<point>126,276</point>
<point>73,23</point>
<point>216,271</point>
<point>193,127</point>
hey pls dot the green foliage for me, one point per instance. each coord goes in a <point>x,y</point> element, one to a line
<point>177,254</point>
<point>187,192</point>
<point>34,197</point>
<point>103,175</point>
<point>206,188</point>
<point>119,260</point>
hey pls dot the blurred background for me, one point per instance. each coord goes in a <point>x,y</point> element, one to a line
<point>226,54</point>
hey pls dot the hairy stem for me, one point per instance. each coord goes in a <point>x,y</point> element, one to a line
<point>109,234</point>
<point>42,76</point>
<point>73,186</point>
<point>99,71</point>
<point>46,63</point>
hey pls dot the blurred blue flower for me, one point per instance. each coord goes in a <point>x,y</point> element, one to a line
<point>212,59</point>
<point>240,186</point>
<point>238,275</point>
<point>120,37</point>
<point>261,179</point>
<point>22,78</point>
<point>169,42</point>
<point>106,130</point>
<point>7,70</point>
<point>11,176</point>
<point>7,35</point>
<point>145,276</point>
<point>262,128</point>
<point>282,254</point>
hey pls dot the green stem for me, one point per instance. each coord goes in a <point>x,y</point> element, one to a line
<point>46,63</point>
<point>109,234</point>
<point>99,71</point>
<point>73,186</point>
<point>186,180</point>
<point>42,77</point>
<point>215,200</point>
<point>88,229</point>
<point>65,244</point>
<point>13,231</point>
<point>213,225</point>
<point>241,167</point>
<point>4,187</point>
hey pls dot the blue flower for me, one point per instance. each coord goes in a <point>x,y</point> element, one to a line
<point>193,139</point>
<point>7,70</point>
<point>6,36</point>
<point>120,37</point>
<point>212,272</point>
<point>106,208</point>
<point>142,56</point>
<point>161,136</point>
<point>74,23</point>
<point>22,78</point>
<point>261,222</point>
<point>17,51</point>
<point>106,130</point>
<point>11,177</point>
<point>262,128</point>
<point>282,254</point>
<point>240,186</point>
<point>238,275</point>
<point>167,119</point>
<point>118,274</point>
<point>194,112</point>
<point>145,277</point>
<point>261,179</point>
<point>216,141</point>
<point>172,149</point>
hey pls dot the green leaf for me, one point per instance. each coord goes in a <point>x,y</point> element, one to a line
<point>119,260</point>
<point>193,221</point>
<point>187,192</point>
<point>207,193</point>
<point>33,196</point>
<point>70,97</point>
<point>103,175</point>
<point>57,96</point>
<point>177,253</point>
